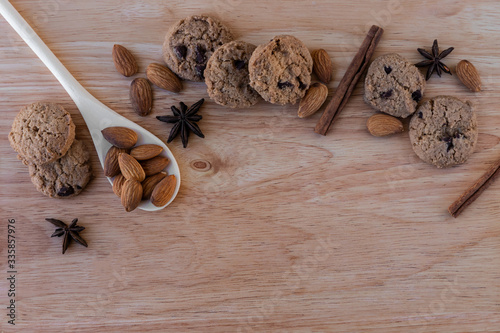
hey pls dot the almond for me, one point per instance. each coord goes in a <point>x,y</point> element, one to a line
<point>121,137</point>
<point>118,184</point>
<point>154,165</point>
<point>163,77</point>
<point>312,101</point>
<point>130,168</point>
<point>468,74</point>
<point>131,195</point>
<point>164,191</point>
<point>145,152</point>
<point>322,65</point>
<point>382,124</point>
<point>111,165</point>
<point>149,184</point>
<point>141,96</point>
<point>124,61</point>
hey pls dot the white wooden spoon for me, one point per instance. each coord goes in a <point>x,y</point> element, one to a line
<point>97,115</point>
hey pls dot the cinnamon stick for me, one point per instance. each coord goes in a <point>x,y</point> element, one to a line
<point>346,86</point>
<point>473,192</point>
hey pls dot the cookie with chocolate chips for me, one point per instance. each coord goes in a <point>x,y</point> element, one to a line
<point>393,85</point>
<point>227,77</point>
<point>65,177</point>
<point>443,131</point>
<point>280,71</point>
<point>191,42</point>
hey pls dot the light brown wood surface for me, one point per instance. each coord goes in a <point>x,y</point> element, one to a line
<point>287,231</point>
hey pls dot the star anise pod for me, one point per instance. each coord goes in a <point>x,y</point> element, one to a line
<point>434,60</point>
<point>184,121</point>
<point>71,232</point>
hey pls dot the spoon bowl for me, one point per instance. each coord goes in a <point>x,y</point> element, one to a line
<point>97,116</point>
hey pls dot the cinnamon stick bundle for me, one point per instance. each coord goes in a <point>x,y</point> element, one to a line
<point>348,82</point>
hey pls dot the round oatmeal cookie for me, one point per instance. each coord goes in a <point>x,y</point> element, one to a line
<point>393,85</point>
<point>444,131</point>
<point>280,71</point>
<point>42,132</point>
<point>65,177</point>
<point>227,77</point>
<point>190,43</point>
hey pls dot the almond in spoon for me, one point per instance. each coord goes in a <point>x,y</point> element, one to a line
<point>145,152</point>
<point>121,137</point>
<point>130,168</point>
<point>164,191</point>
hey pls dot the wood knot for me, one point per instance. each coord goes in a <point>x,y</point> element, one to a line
<point>201,165</point>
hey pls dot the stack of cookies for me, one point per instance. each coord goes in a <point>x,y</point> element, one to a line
<point>43,135</point>
<point>238,74</point>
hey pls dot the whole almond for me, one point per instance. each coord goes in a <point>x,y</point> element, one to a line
<point>125,62</point>
<point>130,168</point>
<point>111,165</point>
<point>145,152</point>
<point>118,184</point>
<point>468,74</point>
<point>322,65</point>
<point>141,96</point>
<point>149,184</point>
<point>154,165</point>
<point>131,195</point>
<point>121,137</point>
<point>312,101</point>
<point>164,191</point>
<point>163,77</point>
<point>382,124</point>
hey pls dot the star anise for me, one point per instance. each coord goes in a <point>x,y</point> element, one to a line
<point>184,121</point>
<point>71,232</point>
<point>434,60</point>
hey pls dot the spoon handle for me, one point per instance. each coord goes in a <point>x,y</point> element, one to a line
<point>70,84</point>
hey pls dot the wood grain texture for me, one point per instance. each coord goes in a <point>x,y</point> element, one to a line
<point>285,230</point>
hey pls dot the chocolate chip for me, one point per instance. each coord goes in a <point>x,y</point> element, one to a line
<point>386,94</point>
<point>387,69</point>
<point>283,85</point>
<point>65,191</point>
<point>420,115</point>
<point>78,187</point>
<point>239,64</point>
<point>302,86</point>
<point>200,54</point>
<point>416,95</point>
<point>450,146</point>
<point>449,142</point>
<point>180,51</point>
<point>200,69</point>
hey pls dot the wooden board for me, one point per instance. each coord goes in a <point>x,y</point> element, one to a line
<point>287,231</point>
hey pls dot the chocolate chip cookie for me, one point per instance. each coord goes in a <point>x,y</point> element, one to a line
<point>444,131</point>
<point>280,71</point>
<point>227,77</point>
<point>65,177</point>
<point>393,85</point>
<point>190,43</point>
<point>42,132</point>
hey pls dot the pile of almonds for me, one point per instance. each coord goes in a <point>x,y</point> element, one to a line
<point>138,171</point>
<point>141,94</point>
